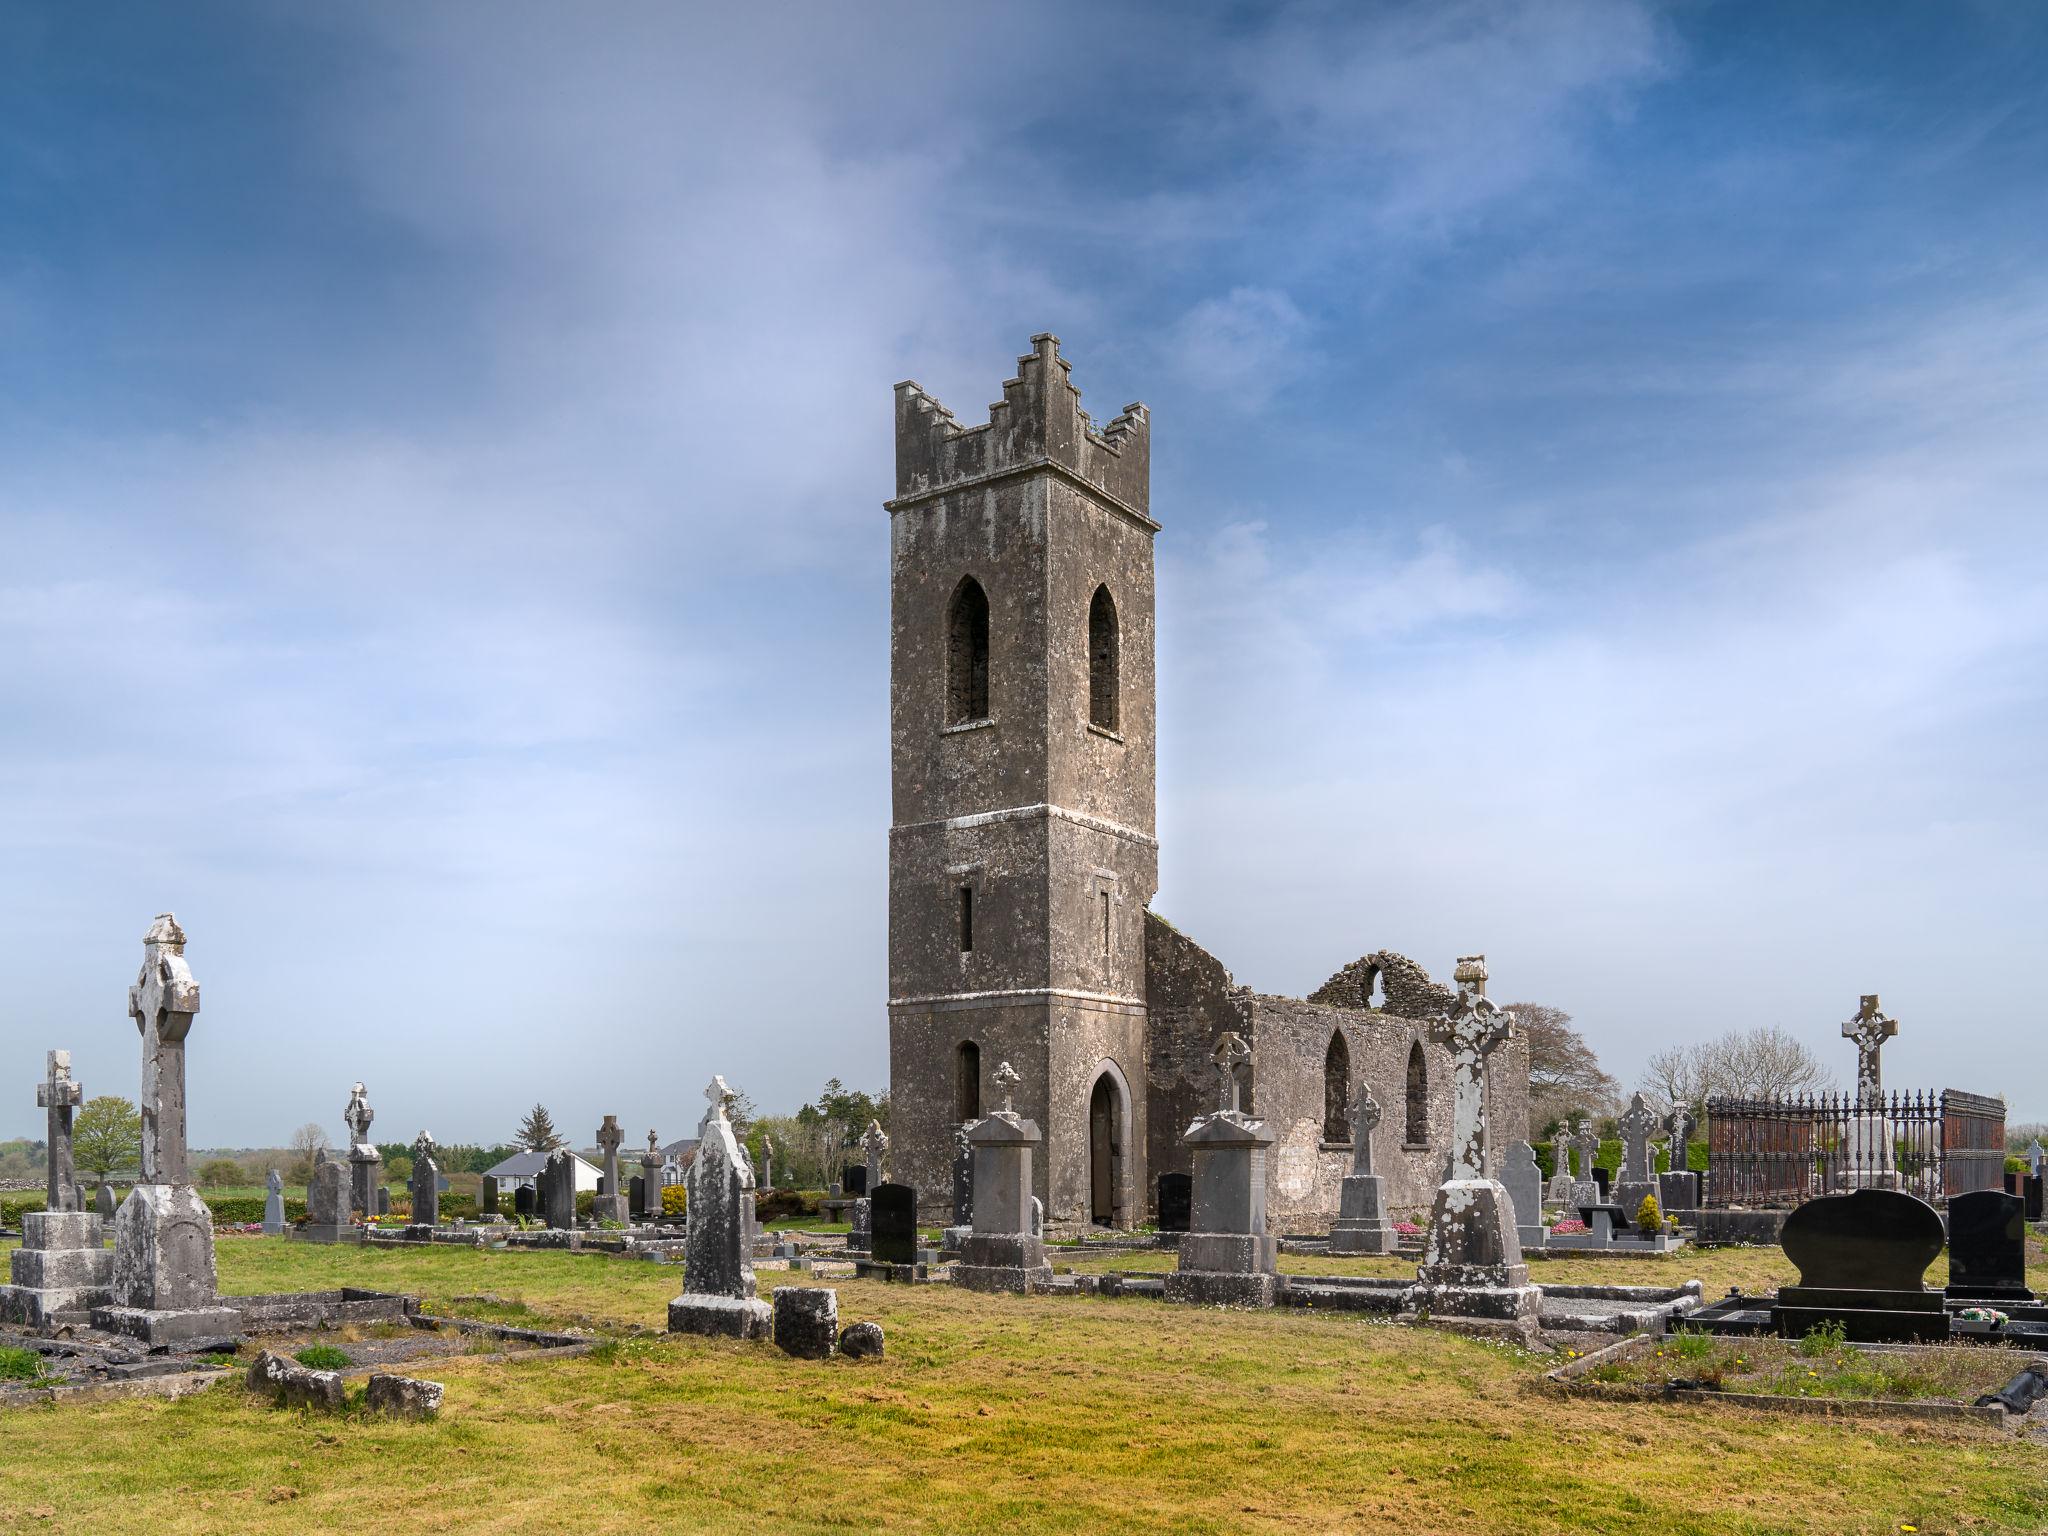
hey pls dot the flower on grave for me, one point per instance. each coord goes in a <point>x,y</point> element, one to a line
<point>1569,1225</point>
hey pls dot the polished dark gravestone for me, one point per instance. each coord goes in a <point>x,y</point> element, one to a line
<point>524,1199</point>
<point>2012,1183</point>
<point>2030,1191</point>
<point>1604,1179</point>
<point>1987,1247</point>
<point>893,1214</point>
<point>1176,1201</point>
<point>853,1178</point>
<point>1861,1257</point>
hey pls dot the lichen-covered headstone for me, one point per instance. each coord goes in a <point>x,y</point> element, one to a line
<point>1472,1264</point>
<point>558,1190</point>
<point>273,1204</point>
<point>650,1177</point>
<point>1637,1124</point>
<point>364,1159</point>
<point>718,1272</point>
<point>611,1204</point>
<point>163,1280</point>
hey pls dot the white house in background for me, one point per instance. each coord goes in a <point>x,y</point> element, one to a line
<point>521,1169</point>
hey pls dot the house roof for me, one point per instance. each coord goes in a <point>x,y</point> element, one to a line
<point>526,1165</point>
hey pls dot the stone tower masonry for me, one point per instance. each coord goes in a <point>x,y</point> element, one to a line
<point>1022,850</point>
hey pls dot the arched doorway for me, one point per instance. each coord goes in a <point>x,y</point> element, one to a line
<point>1105,1151</point>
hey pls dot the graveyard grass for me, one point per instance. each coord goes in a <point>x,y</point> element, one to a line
<point>988,1414</point>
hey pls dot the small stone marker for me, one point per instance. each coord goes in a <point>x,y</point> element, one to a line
<point>1362,1225</point>
<point>650,1177</point>
<point>1004,1251</point>
<point>718,1269</point>
<point>363,1157</point>
<point>1176,1201</point>
<point>403,1397</point>
<point>893,1215</point>
<point>273,1204</point>
<point>806,1321</point>
<point>1637,1123</point>
<point>610,1205</point>
<point>103,1201</point>
<point>1228,1258</point>
<point>327,1211</point>
<point>60,1095</point>
<point>558,1190</point>
<point>292,1385</point>
<point>1523,1179</point>
<point>426,1182</point>
<point>1987,1247</point>
<point>861,1341</point>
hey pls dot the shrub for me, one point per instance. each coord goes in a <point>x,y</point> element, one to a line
<point>674,1200</point>
<point>1649,1219</point>
<point>241,1210</point>
<point>322,1357</point>
<point>785,1205</point>
<point>586,1201</point>
<point>1823,1340</point>
<point>220,1172</point>
<point>14,1207</point>
<point>20,1365</point>
<point>2016,1165</point>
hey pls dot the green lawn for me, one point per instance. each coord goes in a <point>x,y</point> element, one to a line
<point>990,1414</point>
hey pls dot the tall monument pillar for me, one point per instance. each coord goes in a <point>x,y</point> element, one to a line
<point>163,1281</point>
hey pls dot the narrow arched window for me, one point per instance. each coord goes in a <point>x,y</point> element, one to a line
<point>1102,660</point>
<point>967,653</point>
<point>967,1082</point>
<point>1418,1097</point>
<point>1337,1089</point>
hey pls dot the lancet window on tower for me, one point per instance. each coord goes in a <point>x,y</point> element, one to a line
<point>967,654</point>
<point>967,1082</point>
<point>1102,661</point>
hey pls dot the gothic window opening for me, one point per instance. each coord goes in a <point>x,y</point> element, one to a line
<point>966,919</point>
<point>1337,1089</point>
<point>1418,1097</point>
<point>1102,661</point>
<point>967,1082</point>
<point>967,654</point>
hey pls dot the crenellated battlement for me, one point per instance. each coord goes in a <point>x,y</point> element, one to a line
<point>1038,423</point>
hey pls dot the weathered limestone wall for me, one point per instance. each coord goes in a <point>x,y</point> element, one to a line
<point>1193,999</point>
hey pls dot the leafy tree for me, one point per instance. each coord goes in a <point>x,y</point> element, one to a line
<point>537,1132</point>
<point>398,1170</point>
<point>220,1172</point>
<point>106,1137</point>
<point>307,1141</point>
<point>1565,1077</point>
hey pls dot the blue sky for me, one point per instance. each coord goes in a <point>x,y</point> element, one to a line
<point>1599,448</point>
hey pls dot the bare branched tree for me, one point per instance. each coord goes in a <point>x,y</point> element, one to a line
<point>1761,1063</point>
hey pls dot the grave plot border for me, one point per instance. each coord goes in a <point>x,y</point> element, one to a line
<point>1564,1381</point>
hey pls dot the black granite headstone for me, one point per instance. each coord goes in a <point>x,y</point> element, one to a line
<point>1987,1247</point>
<point>636,1198</point>
<point>1602,1177</point>
<point>1176,1201</point>
<point>963,1182</point>
<point>1861,1257</point>
<point>489,1196</point>
<point>2030,1191</point>
<point>2012,1183</point>
<point>853,1178</point>
<point>524,1200</point>
<point>892,1213</point>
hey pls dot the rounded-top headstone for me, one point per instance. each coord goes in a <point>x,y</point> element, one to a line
<point>1869,1239</point>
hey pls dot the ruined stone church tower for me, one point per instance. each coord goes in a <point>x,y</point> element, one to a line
<point>1022,852</point>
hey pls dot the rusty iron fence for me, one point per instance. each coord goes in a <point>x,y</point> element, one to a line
<point>1765,1153</point>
